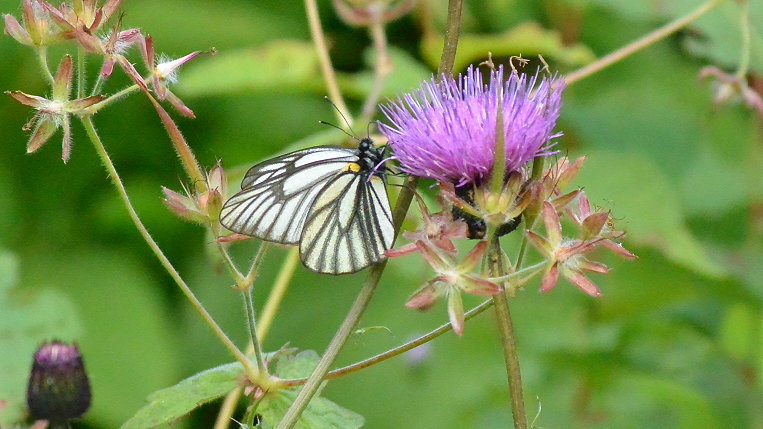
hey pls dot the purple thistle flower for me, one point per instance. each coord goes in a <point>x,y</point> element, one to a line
<point>446,130</point>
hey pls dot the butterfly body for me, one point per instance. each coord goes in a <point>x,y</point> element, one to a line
<point>330,200</point>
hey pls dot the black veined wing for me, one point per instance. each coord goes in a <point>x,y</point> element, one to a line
<point>283,199</point>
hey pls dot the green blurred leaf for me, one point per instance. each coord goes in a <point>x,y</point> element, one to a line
<point>648,204</point>
<point>282,65</point>
<point>319,414</point>
<point>742,333</point>
<point>528,39</point>
<point>166,405</point>
<point>28,319</point>
<point>407,73</point>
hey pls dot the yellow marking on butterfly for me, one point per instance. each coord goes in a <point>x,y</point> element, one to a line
<point>352,166</point>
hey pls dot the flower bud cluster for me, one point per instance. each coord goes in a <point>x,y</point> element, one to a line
<point>200,207</point>
<point>83,22</point>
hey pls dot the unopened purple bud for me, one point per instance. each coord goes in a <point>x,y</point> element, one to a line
<point>58,388</point>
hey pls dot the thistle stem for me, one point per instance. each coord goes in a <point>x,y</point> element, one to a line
<point>641,43</point>
<point>508,341</point>
<point>87,123</point>
<point>327,69</point>
<point>369,287</point>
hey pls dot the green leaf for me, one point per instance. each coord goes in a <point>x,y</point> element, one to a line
<point>319,414</point>
<point>741,332</point>
<point>282,65</point>
<point>166,405</point>
<point>28,319</point>
<point>529,39</point>
<point>407,74</point>
<point>648,205</point>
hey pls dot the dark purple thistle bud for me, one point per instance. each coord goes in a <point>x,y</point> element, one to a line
<point>58,389</point>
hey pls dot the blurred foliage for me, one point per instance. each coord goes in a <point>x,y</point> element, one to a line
<point>675,342</point>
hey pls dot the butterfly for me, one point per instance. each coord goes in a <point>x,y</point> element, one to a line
<point>330,200</point>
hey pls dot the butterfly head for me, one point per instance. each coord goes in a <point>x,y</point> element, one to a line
<point>370,158</point>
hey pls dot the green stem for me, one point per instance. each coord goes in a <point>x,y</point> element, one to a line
<point>369,287</point>
<point>349,369</point>
<point>42,57</point>
<point>382,68</point>
<point>95,108</point>
<point>80,72</point>
<point>744,26</point>
<point>641,43</point>
<point>508,341</point>
<point>263,327</point>
<point>97,85</point>
<point>87,123</point>
<point>327,70</point>
<point>251,319</point>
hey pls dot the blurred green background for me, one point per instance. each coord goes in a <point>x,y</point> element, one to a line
<point>676,341</point>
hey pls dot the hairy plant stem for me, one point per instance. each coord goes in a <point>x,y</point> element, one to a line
<point>327,69</point>
<point>92,134</point>
<point>495,268</point>
<point>95,108</point>
<point>42,57</point>
<point>369,286</point>
<point>252,322</point>
<point>641,43</point>
<point>263,327</point>
<point>81,72</point>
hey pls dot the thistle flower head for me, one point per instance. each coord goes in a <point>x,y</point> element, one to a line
<point>58,389</point>
<point>447,130</point>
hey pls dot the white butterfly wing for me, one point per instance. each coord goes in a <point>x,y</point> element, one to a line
<point>348,227</point>
<point>276,195</point>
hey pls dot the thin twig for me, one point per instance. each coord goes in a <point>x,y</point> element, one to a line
<point>382,68</point>
<point>641,43</point>
<point>263,327</point>
<point>327,70</point>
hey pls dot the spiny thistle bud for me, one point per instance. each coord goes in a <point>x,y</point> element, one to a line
<point>58,388</point>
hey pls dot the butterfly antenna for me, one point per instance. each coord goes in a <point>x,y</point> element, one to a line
<point>346,122</point>
<point>338,128</point>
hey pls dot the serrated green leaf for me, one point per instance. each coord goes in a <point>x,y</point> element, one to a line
<point>170,404</point>
<point>640,194</point>
<point>28,319</point>
<point>529,39</point>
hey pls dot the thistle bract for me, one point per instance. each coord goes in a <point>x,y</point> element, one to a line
<point>447,130</point>
<point>58,389</point>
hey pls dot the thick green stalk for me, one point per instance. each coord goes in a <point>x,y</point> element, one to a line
<point>508,341</point>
